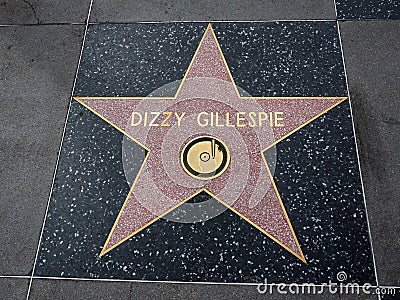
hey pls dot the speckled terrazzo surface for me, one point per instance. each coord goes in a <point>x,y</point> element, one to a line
<point>266,59</point>
<point>368,9</point>
<point>316,169</point>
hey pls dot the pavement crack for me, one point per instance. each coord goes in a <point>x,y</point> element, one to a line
<point>33,10</point>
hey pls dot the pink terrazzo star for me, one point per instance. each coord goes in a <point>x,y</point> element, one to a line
<point>247,186</point>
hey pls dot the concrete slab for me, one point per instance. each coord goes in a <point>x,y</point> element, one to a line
<point>69,289</point>
<point>390,293</point>
<point>148,291</point>
<point>35,83</point>
<point>13,289</point>
<point>207,10</point>
<point>374,70</point>
<point>43,11</point>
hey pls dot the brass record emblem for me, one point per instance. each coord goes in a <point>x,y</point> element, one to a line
<point>205,157</point>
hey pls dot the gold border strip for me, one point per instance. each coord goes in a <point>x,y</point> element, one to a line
<point>342,99</point>
<point>78,99</point>
<point>240,97</point>
<point>144,226</point>
<point>123,208</point>
<point>301,257</point>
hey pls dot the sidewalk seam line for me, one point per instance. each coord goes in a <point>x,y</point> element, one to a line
<point>59,154</point>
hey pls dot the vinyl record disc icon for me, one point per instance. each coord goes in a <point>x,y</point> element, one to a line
<point>205,157</point>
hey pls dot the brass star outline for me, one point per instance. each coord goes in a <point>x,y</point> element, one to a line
<point>209,28</point>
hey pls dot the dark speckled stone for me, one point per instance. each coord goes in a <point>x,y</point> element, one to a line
<point>284,58</point>
<point>368,9</point>
<point>316,169</point>
<point>126,60</point>
<point>298,58</point>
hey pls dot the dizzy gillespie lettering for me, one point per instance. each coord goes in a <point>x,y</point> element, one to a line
<point>212,119</point>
